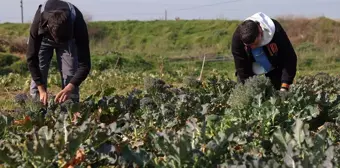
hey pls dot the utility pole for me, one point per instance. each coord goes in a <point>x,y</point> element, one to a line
<point>166,15</point>
<point>22,11</point>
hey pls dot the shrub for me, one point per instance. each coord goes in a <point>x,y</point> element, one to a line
<point>18,45</point>
<point>7,59</point>
<point>19,67</point>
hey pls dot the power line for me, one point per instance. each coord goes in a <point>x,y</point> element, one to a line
<point>131,14</point>
<point>183,9</point>
<point>201,6</point>
<point>165,11</point>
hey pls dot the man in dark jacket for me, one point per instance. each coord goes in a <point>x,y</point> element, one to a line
<point>59,26</point>
<point>261,46</point>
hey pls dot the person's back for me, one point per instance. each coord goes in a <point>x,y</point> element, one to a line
<point>58,25</point>
<point>260,45</point>
<point>57,20</point>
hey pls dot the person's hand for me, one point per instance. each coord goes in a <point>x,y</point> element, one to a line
<point>283,89</point>
<point>43,94</point>
<point>64,94</point>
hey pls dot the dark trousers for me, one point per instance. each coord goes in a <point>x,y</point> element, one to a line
<point>275,77</point>
<point>67,60</point>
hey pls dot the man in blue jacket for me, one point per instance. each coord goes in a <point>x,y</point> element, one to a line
<point>59,26</point>
<point>261,46</point>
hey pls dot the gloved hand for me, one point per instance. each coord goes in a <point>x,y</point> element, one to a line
<point>284,87</point>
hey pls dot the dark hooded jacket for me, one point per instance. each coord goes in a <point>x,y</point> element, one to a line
<point>279,51</point>
<point>77,31</point>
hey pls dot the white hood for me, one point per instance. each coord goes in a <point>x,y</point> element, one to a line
<point>267,26</point>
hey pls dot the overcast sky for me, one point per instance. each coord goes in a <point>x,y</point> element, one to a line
<point>186,9</point>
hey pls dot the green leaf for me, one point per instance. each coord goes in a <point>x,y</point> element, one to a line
<point>289,161</point>
<point>45,135</point>
<point>108,91</point>
<point>278,135</point>
<point>212,118</point>
<point>129,155</point>
<point>298,132</point>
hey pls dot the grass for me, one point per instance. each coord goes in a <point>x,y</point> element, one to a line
<point>183,38</point>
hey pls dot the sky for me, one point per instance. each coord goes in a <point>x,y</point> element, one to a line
<point>10,10</point>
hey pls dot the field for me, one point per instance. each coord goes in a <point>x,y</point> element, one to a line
<point>142,105</point>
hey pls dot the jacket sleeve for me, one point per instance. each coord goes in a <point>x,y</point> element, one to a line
<point>34,42</point>
<point>83,49</point>
<point>243,65</point>
<point>289,57</point>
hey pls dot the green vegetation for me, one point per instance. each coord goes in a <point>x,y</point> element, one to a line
<point>315,40</point>
<point>199,124</point>
<point>169,49</point>
<point>129,116</point>
<point>312,38</point>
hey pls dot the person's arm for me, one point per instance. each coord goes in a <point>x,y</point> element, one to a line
<point>83,49</point>
<point>33,48</point>
<point>289,58</point>
<point>242,64</point>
